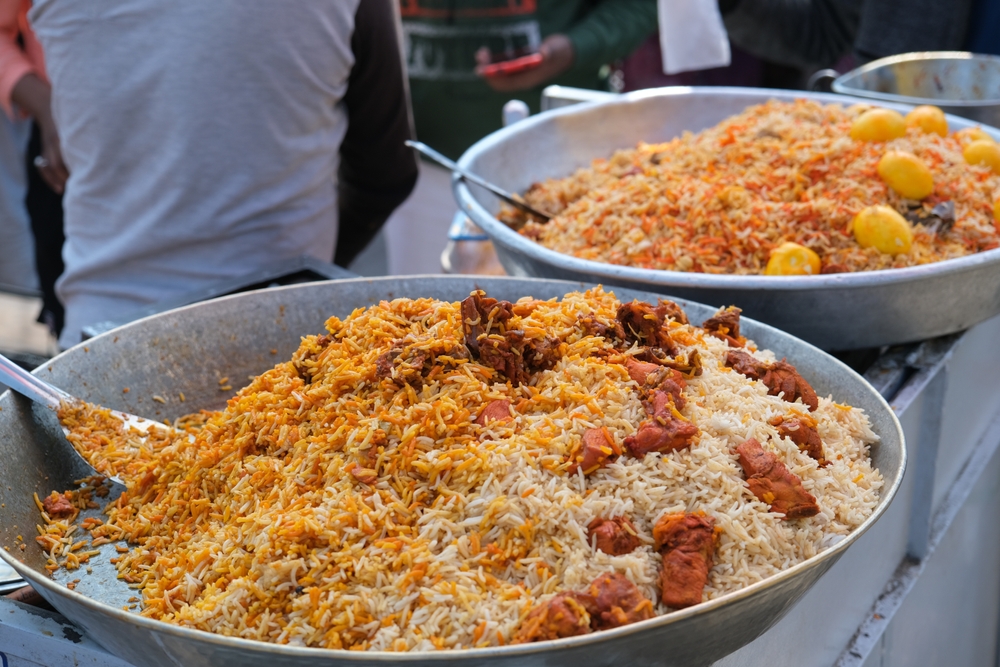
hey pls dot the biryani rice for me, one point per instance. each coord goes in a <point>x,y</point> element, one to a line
<point>720,200</point>
<point>258,525</point>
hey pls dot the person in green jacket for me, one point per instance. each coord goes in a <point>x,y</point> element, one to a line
<point>447,43</point>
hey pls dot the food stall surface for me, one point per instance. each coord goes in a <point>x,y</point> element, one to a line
<point>937,548</point>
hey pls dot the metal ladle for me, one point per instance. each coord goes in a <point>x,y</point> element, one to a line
<point>39,391</point>
<point>508,197</point>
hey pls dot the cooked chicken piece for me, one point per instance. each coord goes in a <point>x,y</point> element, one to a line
<point>782,378</point>
<point>652,377</point>
<point>640,370</point>
<point>615,536</point>
<point>58,505</point>
<point>498,410</point>
<point>687,544</point>
<point>541,354</point>
<point>802,434</point>
<point>746,364</point>
<point>672,310</point>
<point>488,336</point>
<point>725,325</point>
<point>613,601</point>
<point>661,435</point>
<point>773,483</point>
<point>562,616</point>
<point>598,449</point>
<point>779,377</point>
<point>480,314</point>
<point>610,601</point>
<point>614,332</point>
<point>646,325</point>
<point>667,430</point>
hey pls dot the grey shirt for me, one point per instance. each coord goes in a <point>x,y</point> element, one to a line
<point>202,140</point>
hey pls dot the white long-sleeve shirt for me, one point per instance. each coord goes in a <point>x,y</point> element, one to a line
<point>202,140</point>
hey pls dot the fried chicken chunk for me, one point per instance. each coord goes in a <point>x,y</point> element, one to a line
<point>615,536</point>
<point>613,601</point>
<point>498,410</point>
<point>665,431</point>
<point>610,601</point>
<point>779,377</point>
<point>598,449</point>
<point>57,505</point>
<point>802,434</point>
<point>725,325</point>
<point>773,483</point>
<point>782,378</point>
<point>488,336</point>
<point>687,545</point>
<point>646,325</point>
<point>652,378</point>
<point>564,615</point>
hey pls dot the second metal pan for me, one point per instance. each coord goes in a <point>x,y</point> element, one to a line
<point>834,312</point>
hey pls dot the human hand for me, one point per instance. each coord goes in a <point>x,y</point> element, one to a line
<point>34,96</point>
<point>50,163</point>
<point>557,57</point>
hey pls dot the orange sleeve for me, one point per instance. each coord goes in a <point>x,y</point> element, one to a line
<point>14,62</point>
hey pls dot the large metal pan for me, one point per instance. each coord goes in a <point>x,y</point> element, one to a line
<point>189,349</point>
<point>834,312</point>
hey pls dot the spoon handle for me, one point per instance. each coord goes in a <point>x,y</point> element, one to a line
<point>472,178</point>
<point>27,384</point>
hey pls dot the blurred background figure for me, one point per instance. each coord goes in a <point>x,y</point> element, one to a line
<point>811,34</point>
<point>35,179</point>
<point>466,58</point>
<point>209,140</point>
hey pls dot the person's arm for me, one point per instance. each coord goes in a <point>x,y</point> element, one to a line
<point>14,64</point>
<point>34,96</point>
<point>611,30</point>
<point>802,33</point>
<point>23,86</point>
<point>377,172</point>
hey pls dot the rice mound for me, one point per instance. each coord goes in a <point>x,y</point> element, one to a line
<point>720,200</point>
<point>259,525</point>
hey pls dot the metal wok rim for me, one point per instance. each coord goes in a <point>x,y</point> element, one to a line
<point>885,499</point>
<point>840,87</point>
<point>506,236</point>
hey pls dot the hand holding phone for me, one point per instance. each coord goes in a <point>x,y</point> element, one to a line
<point>555,56</point>
<point>508,67</point>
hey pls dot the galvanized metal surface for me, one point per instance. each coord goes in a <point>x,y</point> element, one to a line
<point>961,83</point>
<point>188,350</point>
<point>834,312</point>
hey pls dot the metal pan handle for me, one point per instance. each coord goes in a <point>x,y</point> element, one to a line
<point>822,81</point>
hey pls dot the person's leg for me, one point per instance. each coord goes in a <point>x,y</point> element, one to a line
<point>417,231</point>
<point>46,213</point>
<point>17,267</point>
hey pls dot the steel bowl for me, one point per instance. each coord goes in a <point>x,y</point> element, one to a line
<point>961,83</point>
<point>189,349</point>
<point>834,312</point>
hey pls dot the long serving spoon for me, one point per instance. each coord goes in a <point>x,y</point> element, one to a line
<point>39,391</point>
<point>508,197</point>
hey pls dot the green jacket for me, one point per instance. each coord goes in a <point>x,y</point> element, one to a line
<point>452,107</point>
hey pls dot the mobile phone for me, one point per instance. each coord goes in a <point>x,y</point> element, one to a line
<point>515,66</point>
